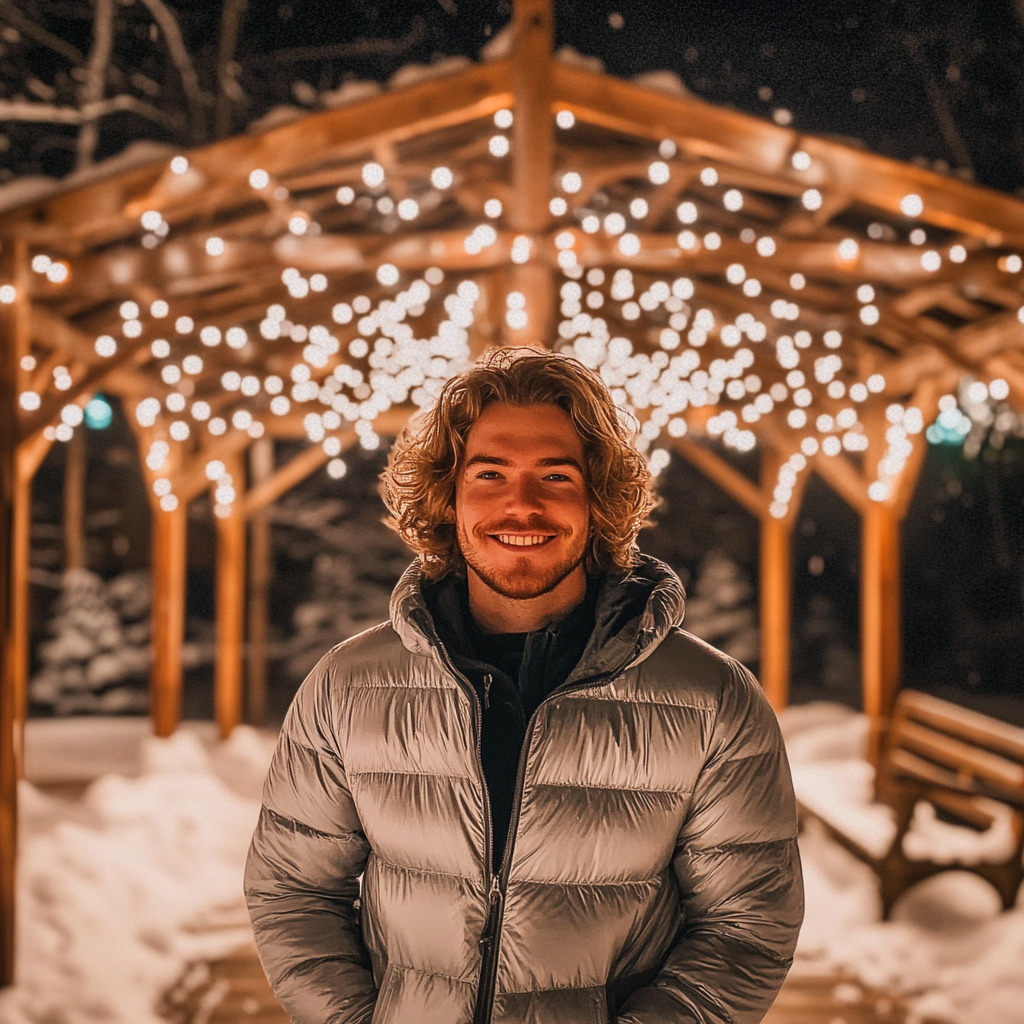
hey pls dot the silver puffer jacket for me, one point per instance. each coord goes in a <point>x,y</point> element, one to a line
<point>651,875</point>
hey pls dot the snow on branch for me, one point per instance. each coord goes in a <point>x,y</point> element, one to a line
<point>95,78</point>
<point>357,48</point>
<point>24,110</point>
<point>16,19</point>
<point>168,23</point>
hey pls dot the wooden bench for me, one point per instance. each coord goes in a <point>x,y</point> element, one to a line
<point>964,764</point>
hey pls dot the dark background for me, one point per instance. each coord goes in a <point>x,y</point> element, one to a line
<point>940,84</point>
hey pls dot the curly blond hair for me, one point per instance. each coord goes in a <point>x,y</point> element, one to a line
<point>418,485</point>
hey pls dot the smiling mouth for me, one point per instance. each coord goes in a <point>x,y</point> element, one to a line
<point>517,540</point>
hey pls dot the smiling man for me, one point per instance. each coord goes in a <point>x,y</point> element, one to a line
<point>530,796</point>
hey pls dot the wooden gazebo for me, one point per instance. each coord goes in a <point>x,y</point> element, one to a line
<point>738,284</point>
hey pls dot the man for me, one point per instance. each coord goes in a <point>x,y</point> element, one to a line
<point>563,808</point>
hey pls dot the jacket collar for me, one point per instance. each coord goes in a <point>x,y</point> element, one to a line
<point>635,612</point>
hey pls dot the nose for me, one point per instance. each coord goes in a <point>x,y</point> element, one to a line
<point>523,496</point>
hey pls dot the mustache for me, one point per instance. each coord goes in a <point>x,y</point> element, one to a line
<point>536,525</point>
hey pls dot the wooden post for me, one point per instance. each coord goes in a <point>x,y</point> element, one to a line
<point>10,734</point>
<point>533,145</point>
<point>17,647</point>
<point>74,502</point>
<point>230,605</point>
<point>168,560</point>
<point>880,618</point>
<point>776,608</point>
<point>261,468</point>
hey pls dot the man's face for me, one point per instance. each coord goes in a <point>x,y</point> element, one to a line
<point>521,503</point>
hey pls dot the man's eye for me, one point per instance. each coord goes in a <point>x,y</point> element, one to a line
<point>558,477</point>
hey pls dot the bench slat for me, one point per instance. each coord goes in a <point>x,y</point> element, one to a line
<point>908,765</point>
<point>959,756</point>
<point>990,733</point>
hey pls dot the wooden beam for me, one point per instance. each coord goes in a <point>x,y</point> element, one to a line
<point>533,146</point>
<point>844,478</point>
<point>776,598</point>
<point>730,479</point>
<point>168,561</point>
<point>880,619</point>
<point>270,488</point>
<point>10,732</point>
<point>715,132</point>
<point>261,571</point>
<point>74,501</point>
<point>230,610</point>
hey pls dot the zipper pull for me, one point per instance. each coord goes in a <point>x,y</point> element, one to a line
<point>490,925</point>
<point>487,690</point>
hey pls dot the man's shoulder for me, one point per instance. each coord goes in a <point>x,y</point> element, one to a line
<point>375,649</point>
<point>689,670</point>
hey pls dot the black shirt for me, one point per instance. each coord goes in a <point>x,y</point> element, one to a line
<point>512,674</point>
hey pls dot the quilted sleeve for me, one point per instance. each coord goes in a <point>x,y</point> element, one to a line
<point>738,870</point>
<point>302,873</point>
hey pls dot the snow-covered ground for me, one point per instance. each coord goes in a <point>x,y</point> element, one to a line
<point>114,885</point>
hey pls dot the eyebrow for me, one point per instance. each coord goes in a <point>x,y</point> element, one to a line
<point>552,460</point>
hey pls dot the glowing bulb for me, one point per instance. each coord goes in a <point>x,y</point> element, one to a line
<point>441,177</point>
<point>709,176</point>
<point>215,246</point>
<point>659,172</point>
<point>498,145</point>
<point>571,182</point>
<point>259,179</point>
<point>733,200</point>
<point>912,205</point>
<point>373,174</point>
<point>800,160</point>
<point>811,199</point>
<point>179,165</point>
<point>848,249</point>
<point>503,119</point>
<point>565,119</point>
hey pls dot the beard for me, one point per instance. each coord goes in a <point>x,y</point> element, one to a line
<point>524,579</point>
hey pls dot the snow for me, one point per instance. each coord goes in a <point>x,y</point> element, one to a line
<point>121,890</point>
<point>949,949</point>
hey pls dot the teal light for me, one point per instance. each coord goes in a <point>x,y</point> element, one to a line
<point>951,427</point>
<point>98,413</point>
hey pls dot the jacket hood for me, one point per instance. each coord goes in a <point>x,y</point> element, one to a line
<point>635,611</point>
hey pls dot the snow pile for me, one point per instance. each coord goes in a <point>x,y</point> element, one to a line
<point>114,890</point>
<point>720,608</point>
<point>949,949</point>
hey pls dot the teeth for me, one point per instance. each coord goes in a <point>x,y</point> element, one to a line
<point>520,542</point>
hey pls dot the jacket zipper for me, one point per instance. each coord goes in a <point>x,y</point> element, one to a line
<point>490,939</point>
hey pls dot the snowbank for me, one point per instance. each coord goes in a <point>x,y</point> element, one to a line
<point>112,888</point>
<point>949,949</point>
<point>115,889</point>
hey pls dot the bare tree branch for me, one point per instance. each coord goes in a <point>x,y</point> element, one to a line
<point>14,17</point>
<point>940,108</point>
<point>95,80</point>
<point>227,86</point>
<point>168,23</point>
<point>47,113</point>
<point>357,48</point>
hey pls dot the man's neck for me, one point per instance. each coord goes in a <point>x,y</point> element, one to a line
<point>494,613</point>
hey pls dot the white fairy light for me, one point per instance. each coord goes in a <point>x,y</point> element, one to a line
<point>41,263</point>
<point>503,118</point>
<point>29,401</point>
<point>7,294</point>
<point>848,249</point>
<point>686,212</point>
<point>712,240</point>
<point>259,179</point>
<point>957,253</point>
<point>629,244</point>
<point>800,160</point>
<point>151,220</point>
<point>441,177</point>
<point>659,172</point>
<point>179,430</point>
<point>298,224</point>
<point>184,325</point>
<point>869,315</point>
<point>131,328</point>
<point>565,119</point>
<point>571,182</point>
<point>521,246</point>
<point>105,346</point>
<point>733,200</point>
<point>158,309</point>
<point>373,174</point>
<point>408,209</point>
<point>387,274</point>
<point>766,246</point>
<point>811,199</point>
<point>236,337</point>
<point>58,272</point>
<point>498,145</point>
<point>200,411</point>
<point>912,205</point>
<point>686,240</point>
<point>179,165</point>
<point>931,261</point>
<point>210,336</point>
<point>558,206</point>
<point>638,208</point>
<point>214,246</point>
<point>709,176</point>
